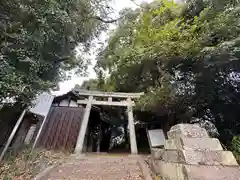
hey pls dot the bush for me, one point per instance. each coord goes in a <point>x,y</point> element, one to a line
<point>236,147</point>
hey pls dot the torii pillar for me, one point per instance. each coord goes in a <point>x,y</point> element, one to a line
<point>83,128</point>
<point>132,133</point>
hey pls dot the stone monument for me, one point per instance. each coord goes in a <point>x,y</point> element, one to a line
<point>190,154</point>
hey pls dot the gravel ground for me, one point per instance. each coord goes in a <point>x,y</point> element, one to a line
<point>97,167</point>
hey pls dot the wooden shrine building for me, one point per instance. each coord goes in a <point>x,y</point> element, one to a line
<point>69,121</point>
<point>77,113</point>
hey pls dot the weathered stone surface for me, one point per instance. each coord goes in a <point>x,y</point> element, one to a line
<point>189,154</point>
<point>156,153</point>
<point>168,170</point>
<point>193,144</point>
<point>168,155</point>
<point>209,158</point>
<point>196,157</point>
<point>195,172</point>
<point>188,131</point>
<point>211,172</point>
<point>97,167</point>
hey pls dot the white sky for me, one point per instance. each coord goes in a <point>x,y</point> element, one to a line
<point>66,86</point>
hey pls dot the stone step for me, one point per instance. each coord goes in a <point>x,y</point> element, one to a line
<point>195,157</point>
<point>95,167</point>
<point>212,172</point>
<point>209,144</point>
<point>194,172</point>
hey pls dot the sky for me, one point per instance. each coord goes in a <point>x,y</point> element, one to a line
<point>66,86</point>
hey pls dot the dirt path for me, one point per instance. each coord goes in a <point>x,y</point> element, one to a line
<point>97,167</point>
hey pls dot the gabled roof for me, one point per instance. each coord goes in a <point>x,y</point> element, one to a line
<point>107,114</point>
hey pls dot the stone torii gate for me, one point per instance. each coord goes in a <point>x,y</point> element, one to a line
<point>127,101</point>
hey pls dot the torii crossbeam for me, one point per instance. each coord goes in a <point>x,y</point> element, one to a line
<point>126,102</point>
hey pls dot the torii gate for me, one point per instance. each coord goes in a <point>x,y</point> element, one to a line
<point>126,102</point>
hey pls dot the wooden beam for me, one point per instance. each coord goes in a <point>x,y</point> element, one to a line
<point>12,134</point>
<point>106,103</point>
<point>107,94</point>
<point>39,133</point>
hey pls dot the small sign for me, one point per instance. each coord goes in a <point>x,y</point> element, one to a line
<point>42,104</point>
<point>156,138</point>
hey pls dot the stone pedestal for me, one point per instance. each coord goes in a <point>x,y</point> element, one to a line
<point>190,154</point>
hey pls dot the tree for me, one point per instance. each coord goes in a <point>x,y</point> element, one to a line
<point>38,41</point>
<point>91,84</point>
<point>184,57</point>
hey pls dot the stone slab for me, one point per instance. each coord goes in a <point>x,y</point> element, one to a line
<point>187,130</point>
<point>168,170</point>
<point>167,155</point>
<point>195,172</point>
<point>225,158</point>
<point>156,153</point>
<point>212,172</point>
<point>184,126</point>
<point>146,171</point>
<point>207,144</point>
<point>195,157</point>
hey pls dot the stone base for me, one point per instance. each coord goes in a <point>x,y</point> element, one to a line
<point>190,154</point>
<point>195,157</point>
<point>168,170</point>
<point>207,144</point>
<point>194,172</point>
<point>212,172</point>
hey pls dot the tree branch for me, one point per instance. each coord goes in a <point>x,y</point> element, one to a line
<point>107,21</point>
<point>135,3</point>
<point>113,20</point>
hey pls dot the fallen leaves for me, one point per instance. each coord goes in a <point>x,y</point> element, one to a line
<point>25,164</point>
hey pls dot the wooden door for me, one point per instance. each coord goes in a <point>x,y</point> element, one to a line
<point>61,128</point>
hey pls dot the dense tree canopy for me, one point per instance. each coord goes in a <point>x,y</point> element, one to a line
<point>185,57</point>
<point>38,40</point>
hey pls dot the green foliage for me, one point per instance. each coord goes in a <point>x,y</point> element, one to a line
<point>236,147</point>
<point>91,84</point>
<point>236,144</point>
<point>38,41</point>
<point>184,57</point>
<point>98,84</point>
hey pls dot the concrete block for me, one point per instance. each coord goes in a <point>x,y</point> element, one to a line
<point>156,153</point>
<point>195,157</point>
<point>188,131</point>
<point>190,154</point>
<point>173,144</point>
<point>195,172</point>
<point>211,172</point>
<point>208,144</point>
<point>175,156</point>
<point>168,170</point>
<point>225,158</point>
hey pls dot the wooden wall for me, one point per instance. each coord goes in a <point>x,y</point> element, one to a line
<point>61,128</point>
